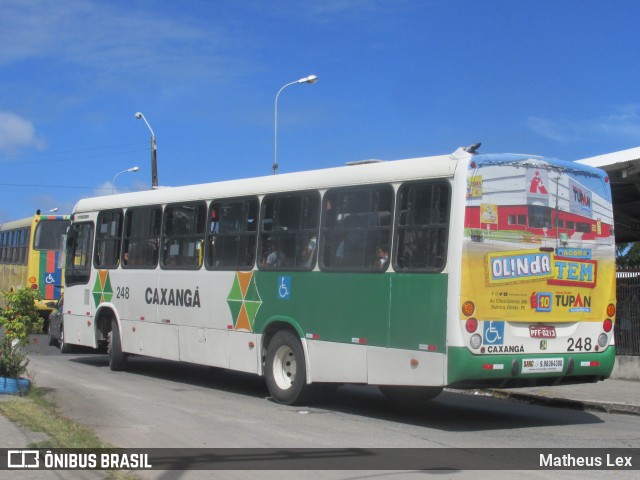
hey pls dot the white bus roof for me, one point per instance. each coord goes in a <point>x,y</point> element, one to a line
<point>397,170</point>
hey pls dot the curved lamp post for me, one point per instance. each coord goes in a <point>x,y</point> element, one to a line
<point>113,183</point>
<point>154,158</point>
<point>309,79</point>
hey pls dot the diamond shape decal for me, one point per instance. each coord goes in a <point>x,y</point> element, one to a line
<point>244,301</point>
<point>102,290</point>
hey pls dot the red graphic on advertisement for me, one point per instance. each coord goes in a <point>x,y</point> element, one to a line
<point>537,186</point>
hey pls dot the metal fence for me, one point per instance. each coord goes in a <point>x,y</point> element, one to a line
<point>627,329</point>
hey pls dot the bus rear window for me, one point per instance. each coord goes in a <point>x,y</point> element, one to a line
<point>49,234</point>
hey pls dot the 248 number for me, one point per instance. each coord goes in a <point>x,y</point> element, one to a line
<point>579,344</point>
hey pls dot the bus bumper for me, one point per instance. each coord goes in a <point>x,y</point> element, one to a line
<point>466,370</point>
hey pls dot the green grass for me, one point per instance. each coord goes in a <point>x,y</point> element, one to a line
<point>36,413</point>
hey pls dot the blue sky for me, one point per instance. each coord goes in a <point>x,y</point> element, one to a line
<point>397,79</point>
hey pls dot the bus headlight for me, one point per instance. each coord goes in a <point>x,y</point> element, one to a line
<point>476,341</point>
<point>603,339</point>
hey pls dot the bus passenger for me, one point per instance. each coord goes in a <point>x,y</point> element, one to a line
<point>272,256</point>
<point>382,256</point>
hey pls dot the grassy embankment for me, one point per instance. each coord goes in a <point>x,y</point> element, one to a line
<point>35,413</point>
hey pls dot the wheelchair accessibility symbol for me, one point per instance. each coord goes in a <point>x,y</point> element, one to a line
<point>284,287</point>
<point>49,279</point>
<point>493,333</point>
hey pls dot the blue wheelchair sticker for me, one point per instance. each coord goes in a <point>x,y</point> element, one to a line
<point>284,287</point>
<point>493,333</point>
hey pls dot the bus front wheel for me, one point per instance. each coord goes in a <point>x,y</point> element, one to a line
<point>286,370</point>
<point>117,359</point>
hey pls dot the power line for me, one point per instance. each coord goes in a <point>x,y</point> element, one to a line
<point>70,187</point>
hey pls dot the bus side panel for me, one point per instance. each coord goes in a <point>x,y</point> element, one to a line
<point>349,308</point>
<point>337,362</point>
<point>207,346</point>
<point>392,366</point>
<point>79,330</point>
<point>151,339</point>
<point>246,355</point>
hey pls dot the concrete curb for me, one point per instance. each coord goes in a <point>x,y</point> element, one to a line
<point>585,405</point>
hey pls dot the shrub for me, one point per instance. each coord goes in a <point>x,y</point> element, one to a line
<point>17,320</point>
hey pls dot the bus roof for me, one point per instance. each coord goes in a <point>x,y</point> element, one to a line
<point>388,171</point>
<point>26,222</point>
<point>355,173</point>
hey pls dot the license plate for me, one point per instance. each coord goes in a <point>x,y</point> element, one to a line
<point>542,331</point>
<point>542,365</point>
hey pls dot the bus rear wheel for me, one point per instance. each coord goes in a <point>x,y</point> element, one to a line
<point>286,370</point>
<point>117,358</point>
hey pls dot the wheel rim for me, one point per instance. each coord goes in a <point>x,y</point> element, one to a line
<point>284,367</point>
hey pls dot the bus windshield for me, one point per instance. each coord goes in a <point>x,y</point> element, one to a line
<point>49,234</point>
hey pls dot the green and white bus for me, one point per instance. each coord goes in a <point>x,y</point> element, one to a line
<point>462,270</point>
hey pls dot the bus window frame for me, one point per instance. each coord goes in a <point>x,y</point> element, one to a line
<point>124,261</point>
<point>210,235</point>
<point>119,239</point>
<point>397,228</point>
<point>72,236</point>
<point>324,229</point>
<point>198,243</point>
<point>266,236</point>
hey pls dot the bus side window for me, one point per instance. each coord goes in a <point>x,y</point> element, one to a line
<point>140,246</point>
<point>78,256</point>
<point>231,234</point>
<point>356,222</point>
<point>108,239</point>
<point>288,231</point>
<point>422,227</point>
<point>183,236</point>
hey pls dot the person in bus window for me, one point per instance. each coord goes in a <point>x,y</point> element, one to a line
<point>382,256</point>
<point>309,252</point>
<point>273,257</point>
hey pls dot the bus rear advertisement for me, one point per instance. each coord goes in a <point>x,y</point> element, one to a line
<point>463,270</point>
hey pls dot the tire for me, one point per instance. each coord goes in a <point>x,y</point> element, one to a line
<point>286,370</point>
<point>64,346</point>
<point>412,396</point>
<point>117,359</point>
<point>52,341</point>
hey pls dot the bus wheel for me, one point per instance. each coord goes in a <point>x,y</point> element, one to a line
<point>117,359</point>
<point>410,395</point>
<point>286,369</point>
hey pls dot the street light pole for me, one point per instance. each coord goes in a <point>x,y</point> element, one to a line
<point>309,79</point>
<point>154,158</point>
<point>113,183</point>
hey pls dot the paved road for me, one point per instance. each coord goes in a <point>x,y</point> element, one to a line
<point>165,404</point>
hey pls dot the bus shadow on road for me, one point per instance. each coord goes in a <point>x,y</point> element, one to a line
<point>452,411</point>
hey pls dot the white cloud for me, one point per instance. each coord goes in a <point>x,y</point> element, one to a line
<point>17,134</point>
<point>114,40</point>
<point>623,123</point>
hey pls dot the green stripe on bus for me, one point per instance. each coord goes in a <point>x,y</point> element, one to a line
<point>465,366</point>
<point>385,310</point>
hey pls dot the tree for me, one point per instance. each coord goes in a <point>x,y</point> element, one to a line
<point>628,255</point>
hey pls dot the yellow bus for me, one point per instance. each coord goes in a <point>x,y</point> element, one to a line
<point>31,256</point>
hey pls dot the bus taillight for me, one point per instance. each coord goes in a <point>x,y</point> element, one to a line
<point>468,308</point>
<point>34,286</point>
<point>611,310</point>
<point>607,325</point>
<point>471,325</point>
